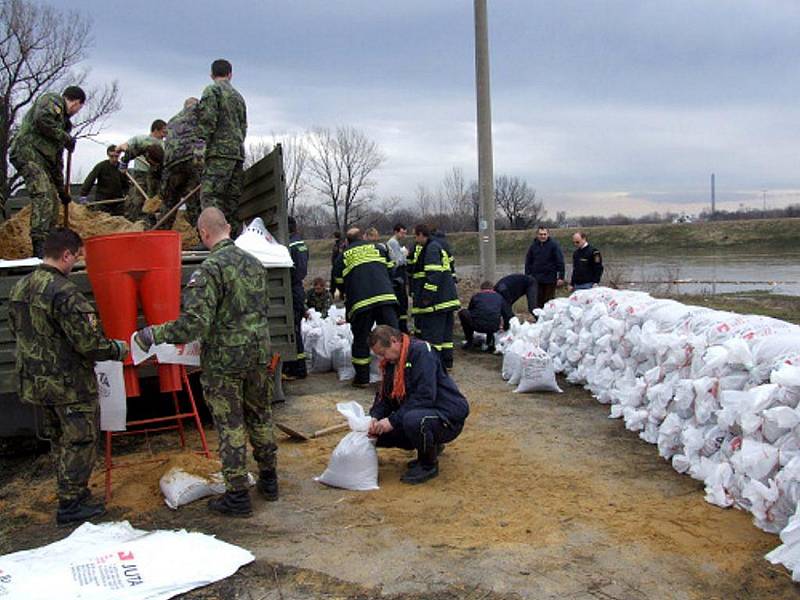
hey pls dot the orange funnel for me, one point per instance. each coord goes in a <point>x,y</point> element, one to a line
<point>128,269</point>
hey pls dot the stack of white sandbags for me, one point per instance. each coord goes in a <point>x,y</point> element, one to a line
<point>718,392</point>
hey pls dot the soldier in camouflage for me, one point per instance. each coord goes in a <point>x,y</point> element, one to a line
<point>222,125</point>
<point>58,339</point>
<point>146,170</point>
<point>225,307</point>
<point>37,153</point>
<point>183,164</point>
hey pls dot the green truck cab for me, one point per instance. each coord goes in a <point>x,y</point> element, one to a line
<point>263,195</point>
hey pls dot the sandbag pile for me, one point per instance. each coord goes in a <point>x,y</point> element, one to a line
<point>717,391</point>
<point>327,343</point>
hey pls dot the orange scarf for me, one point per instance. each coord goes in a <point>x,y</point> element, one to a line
<point>399,383</point>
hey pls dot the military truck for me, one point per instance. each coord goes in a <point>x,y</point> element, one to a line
<point>263,195</point>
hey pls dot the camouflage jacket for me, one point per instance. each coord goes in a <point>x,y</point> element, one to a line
<point>182,141</point>
<point>58,339</point>
<point>137,146</point>
<point>222,121</point>
<point>225,307</point>
<point>44,131</point>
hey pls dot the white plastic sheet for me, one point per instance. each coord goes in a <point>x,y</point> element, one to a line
<point>114,560</point>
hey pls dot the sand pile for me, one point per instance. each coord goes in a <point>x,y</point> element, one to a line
<point>15,233</point>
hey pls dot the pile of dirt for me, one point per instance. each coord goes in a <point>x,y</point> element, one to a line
<point>15,234</point>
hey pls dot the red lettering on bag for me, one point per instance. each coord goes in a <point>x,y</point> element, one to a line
<point>125,555</point>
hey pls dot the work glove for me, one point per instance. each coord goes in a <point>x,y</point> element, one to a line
<point>122,349</point>
<point>70,144</point>
<point>123,165</point>
<point>144,338</point>
<point>64,196</point>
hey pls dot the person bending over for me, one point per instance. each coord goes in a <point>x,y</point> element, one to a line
<point>417,406</point>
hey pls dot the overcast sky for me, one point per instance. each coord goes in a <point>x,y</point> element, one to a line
<point>600,105</point>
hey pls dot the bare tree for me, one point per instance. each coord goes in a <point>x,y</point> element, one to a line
<point>40,48</point>
<point>340,166</point>
<point>458,200</point>
<point>517,201</point>
<point>423,200</point>
<point>295,155</point>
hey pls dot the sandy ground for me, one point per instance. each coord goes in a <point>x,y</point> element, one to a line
<point>542,496</point>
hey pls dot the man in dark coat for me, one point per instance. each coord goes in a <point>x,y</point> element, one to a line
<point>418,406</point>
<point>487,312</point>
<point>515,286</point>
<point>545,263</point>
<point>587,264</point>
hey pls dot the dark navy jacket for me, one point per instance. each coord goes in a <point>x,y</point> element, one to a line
<point>362,271</point>
<point>587,265</point>
<point>513,287</point>
<point>427,387</point>
<point>299,254</point>
<point>545,261</point>
<point>487,308</point>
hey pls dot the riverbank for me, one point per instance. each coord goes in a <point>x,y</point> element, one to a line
<point>755,235</point>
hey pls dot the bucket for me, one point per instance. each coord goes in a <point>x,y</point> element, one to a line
<point>131,269</point>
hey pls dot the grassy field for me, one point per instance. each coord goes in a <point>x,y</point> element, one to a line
<point>757,235</point>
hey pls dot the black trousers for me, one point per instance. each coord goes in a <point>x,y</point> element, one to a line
<point>421,430</point>
<point>361,324</point>
<point>297,368</point>
<point>546,292</point>
<point>437,329</point>
<point>469,327</point>
<point>401,291</point>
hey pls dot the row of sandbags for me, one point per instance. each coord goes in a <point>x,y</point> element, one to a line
<point>717,391</point>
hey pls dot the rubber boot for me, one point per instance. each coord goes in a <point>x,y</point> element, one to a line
<point>78,510</point>
<point>427,467</point>
<point>232,504</point>
<point>267,484</point>
<point>439,451</point>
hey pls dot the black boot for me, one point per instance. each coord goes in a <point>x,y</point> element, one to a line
<point>267,484</point>
<point>427,467</point>
<point>232,504</point>
<point>78,510</point>
<point>439,451</point>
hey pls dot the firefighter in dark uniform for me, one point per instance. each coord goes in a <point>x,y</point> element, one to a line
<point>436,298</point>
<point>296,369</point>
<point>418,406</point>
<point>362,271</point>
<point>415,281</point>
<point>486,313</point>
<point>587,264</point>
<point>515,286</point>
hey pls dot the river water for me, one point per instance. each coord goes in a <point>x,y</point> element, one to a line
<point>676,273</point>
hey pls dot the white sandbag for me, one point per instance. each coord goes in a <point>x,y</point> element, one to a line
<point>354,462</point>
<point>537,374</point>
<point>786,375</point>
<point>757,460</point>
<point>111,393</point>
<point>180,487</point>
<point>114,560</point>
<point>342,362</point>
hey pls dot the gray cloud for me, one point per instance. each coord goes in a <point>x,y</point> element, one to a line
<point>634,100</point>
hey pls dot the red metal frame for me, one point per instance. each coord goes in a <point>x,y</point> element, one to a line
<point>177,420</point>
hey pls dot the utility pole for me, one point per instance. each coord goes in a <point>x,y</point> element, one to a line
<point>713,197</point>
<point>486,239</point>
<point>764,199</point>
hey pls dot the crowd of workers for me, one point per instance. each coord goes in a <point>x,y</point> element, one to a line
<point>58,335</point>
<point>198,155</point>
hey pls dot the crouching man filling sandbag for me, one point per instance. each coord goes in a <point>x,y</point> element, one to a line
<point>417,407</point>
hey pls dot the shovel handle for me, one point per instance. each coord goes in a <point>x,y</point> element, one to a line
<point>66,187</point>
<point>331,429</point>
<point>175,208</point>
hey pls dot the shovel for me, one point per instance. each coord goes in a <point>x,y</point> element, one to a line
<point>304,437</point>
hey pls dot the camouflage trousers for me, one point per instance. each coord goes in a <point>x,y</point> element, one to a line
<point>241,407</point>
<point>134,199</point>
<point>72,431</point>
<point>177,181</point>
<point>43,194</point>
<point>222,187</point>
